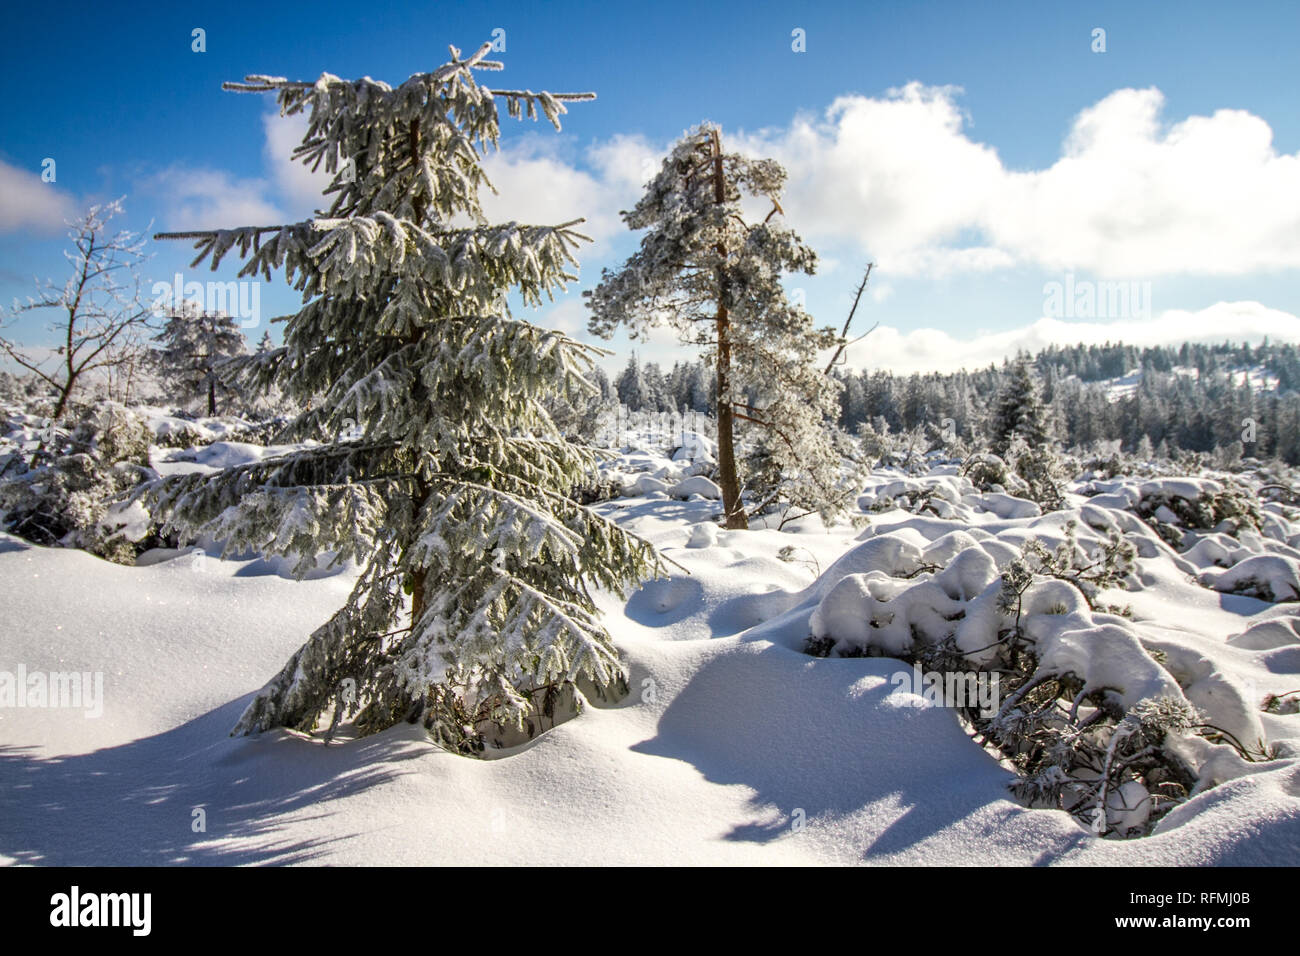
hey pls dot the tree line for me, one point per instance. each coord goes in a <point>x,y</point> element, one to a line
<point>1158,400</point>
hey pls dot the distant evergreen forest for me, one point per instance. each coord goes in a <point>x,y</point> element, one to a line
<point>1194,397</point>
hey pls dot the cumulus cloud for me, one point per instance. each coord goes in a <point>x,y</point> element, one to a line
<point>298,187</point>
<point>536,185</point>
<point>933,350</point>
<point>203,198</point>
<point>29,203</point>
<point>899,177</point>
<point>568,315</point>
<point>210,199</point>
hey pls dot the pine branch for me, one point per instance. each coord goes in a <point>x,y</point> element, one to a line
<point>322,225</point>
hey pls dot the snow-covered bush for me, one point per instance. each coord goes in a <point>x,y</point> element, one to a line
<point>822,484</point>
<point>1032,474</point>
<point>1040,471</point>
<point>873,445</point>
<point>987,471</point>
<point>69,491</point>
<point>1094,721</point>
<point>1109,563</point>
<point>1269,577</point>
<point>1173,506</point>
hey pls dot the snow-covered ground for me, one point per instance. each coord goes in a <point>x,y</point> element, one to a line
<point>734,746</point>
<point>1258,377</point>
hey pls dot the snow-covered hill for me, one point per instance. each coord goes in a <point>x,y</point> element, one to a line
<point>1259,377</point>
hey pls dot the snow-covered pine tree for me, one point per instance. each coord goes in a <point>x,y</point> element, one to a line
<point>1019,411</point>
<point>192,347</point>
<point>456,492</point>
<point>716,279</point>
<point>631,386</point>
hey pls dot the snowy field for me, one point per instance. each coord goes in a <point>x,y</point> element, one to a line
<point>735,746</point>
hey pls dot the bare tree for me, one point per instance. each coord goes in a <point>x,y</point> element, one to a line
<point>102,310</point>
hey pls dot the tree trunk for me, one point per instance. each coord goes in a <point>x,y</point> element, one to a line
<point>212,395</point>
<point>420,575</point>
<point>418,579</point>
<point>64,394</point>
<point>728,480</point>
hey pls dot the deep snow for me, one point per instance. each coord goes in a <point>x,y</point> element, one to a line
<point>734,746</point>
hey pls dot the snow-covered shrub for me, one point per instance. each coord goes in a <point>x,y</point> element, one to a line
<point>1269,577</point>
<point>1108,564</point>
<point>26,391</point>
<point>798,487</point>
<point>987,471</point>
<point>1174,506</point>
<point>1094,722</point>
<point>68,493</point>
<point>597,487</point>
<point>179,431</point>
<point>1288,703</point>
<point>873,446</point>
<point>1104,463</point>
<point>1041,472</point>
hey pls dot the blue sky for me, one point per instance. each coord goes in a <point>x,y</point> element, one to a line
<point>976,152</point>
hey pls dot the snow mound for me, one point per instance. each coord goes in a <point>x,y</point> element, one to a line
<point>1268,635</point>
<point>1269,577</point>
<point>645,485</point>
<point>1004,505</point>
<point>696,448</point>
<point>695,485</point>
<point>703,536</point>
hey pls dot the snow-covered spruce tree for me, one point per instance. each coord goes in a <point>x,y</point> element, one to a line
<point>456,492</point>
<point>1019,411</point>
<point>716,280</point>
<point>1021,434</point>
<point>193,346</point>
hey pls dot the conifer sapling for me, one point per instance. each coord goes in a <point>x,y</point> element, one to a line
<point>473,599</point>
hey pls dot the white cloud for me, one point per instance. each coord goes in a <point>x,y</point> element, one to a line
<point>568,316</point>
<point>535,185</point>
<point>210,199</point>
<point>925,350</point>
<point>199,198</point>
<point>27,202</point>
<point>299,189</point>
<point>899,178</point>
